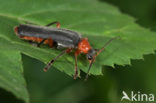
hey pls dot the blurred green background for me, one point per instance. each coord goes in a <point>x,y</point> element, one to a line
<point>57,87</point>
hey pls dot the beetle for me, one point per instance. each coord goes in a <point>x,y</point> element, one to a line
<point>60,39</point>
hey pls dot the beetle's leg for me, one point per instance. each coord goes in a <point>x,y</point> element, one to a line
<point>53,60</point>
<point>46,41</point>
<point>56,22</point>
<point>76,69</point>
<point>39,44</point>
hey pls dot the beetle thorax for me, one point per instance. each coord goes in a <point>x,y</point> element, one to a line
<point>84,46</point>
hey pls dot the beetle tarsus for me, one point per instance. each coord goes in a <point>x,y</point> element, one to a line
<point>86,78</point>
<point>45,69</point>
<point>76,74</point>
<point>48,65</point>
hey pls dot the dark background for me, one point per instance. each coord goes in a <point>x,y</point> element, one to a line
<point>57,87</point>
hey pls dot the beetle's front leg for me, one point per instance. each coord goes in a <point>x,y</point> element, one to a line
<point>76,68</point>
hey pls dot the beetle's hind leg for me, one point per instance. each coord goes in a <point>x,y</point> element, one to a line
<point>56,22</point>
<point>39,44</point>
<point>49,41</point>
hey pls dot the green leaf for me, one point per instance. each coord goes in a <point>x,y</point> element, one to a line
<point>11,74</point>
<point>95,20</point>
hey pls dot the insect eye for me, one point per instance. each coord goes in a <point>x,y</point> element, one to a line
<point>89,57</point>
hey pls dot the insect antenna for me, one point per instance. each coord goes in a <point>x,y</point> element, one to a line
<point>89,68</point>
<point>53,60</point>
<point>98,52</point>
<point>108,42</point>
